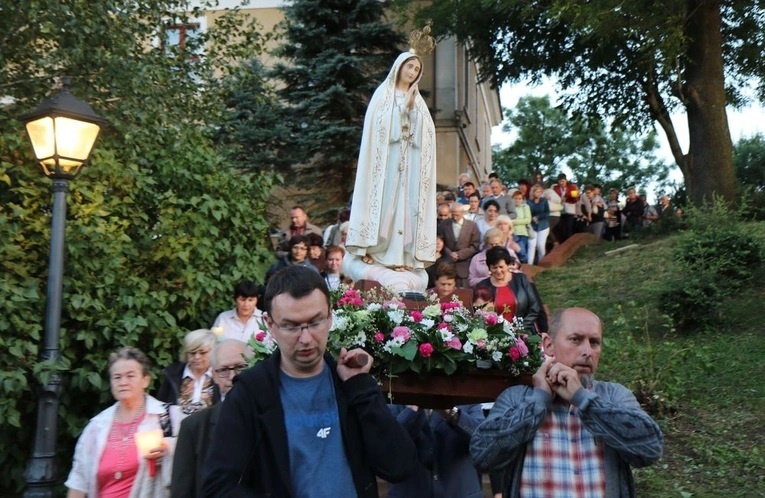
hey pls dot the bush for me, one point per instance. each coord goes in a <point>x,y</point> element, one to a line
<point>717,255</point>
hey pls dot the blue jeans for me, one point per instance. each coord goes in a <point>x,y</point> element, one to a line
<point>523,242</point>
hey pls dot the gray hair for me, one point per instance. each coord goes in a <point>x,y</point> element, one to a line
<point>130,353</point>
<point>243,348</point>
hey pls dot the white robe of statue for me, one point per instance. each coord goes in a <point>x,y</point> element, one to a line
<point>393,214</point>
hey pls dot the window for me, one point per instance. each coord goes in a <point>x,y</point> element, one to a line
<point>183,40</point>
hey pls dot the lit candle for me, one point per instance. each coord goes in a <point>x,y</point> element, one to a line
<point>146,441</point>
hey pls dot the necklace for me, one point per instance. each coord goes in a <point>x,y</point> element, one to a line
<point>121,437</point>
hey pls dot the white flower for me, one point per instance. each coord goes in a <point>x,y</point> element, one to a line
<point>448,318</point>
<point>374,306</point>
<point>396,316</point>
<point>339,322</point>
<point>427,323</point>
<point>467,347</point>
<point>445,334</point>
<point>360,339</point>
<point>461,326</point>
<point>496,356</point>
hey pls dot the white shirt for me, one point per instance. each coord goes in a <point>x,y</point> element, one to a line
<point>199,383</point>
<point>233,328</point>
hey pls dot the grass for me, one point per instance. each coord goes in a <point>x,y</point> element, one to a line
<point>706,388</point>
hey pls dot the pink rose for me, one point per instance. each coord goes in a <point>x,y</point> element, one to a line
<point>401,332</point>
<point>426,349</point>
<point>455,343</point>
<point>416,316</point>
<point>490,318</point>
<point>514,354</point>
<point>481,343</point>
<point>260,336</point>
<point>442,325</point>
<point>379,337</point>
<point>523,349</point>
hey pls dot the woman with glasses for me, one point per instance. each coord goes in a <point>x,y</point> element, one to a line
<point>298,255</point>
<point>189,382</point>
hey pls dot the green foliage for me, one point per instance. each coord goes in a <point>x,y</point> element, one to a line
<point>255,127</point>
<point>548,138</point>
<point>717,255</point>
<point>749,161</point>
<point>160,225</point>
<point>326,84</point>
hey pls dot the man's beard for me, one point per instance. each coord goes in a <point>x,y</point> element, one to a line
<point>586,380</point>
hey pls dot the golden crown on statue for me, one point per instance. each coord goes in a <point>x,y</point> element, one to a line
<point>420,41</point>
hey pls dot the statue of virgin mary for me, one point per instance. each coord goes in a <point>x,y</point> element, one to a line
<point>393,212</point>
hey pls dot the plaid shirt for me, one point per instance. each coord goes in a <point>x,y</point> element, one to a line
<point>564,459</point>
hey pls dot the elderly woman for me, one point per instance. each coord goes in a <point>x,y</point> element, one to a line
<point>507,227</point>
<point>513,294</point>
<point>478,269</point>
<point>106,460</point>
<point>189,383</point>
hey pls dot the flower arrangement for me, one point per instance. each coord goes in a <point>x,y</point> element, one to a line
<point>443,337</point>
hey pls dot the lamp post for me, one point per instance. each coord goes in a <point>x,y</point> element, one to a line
<point>62,130</point>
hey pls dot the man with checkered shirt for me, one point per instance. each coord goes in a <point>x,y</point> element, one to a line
<point>567,435</point>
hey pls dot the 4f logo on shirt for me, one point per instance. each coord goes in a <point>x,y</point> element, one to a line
<point>323,432</point>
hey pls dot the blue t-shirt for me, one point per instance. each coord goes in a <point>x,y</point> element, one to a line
<point>318,464</point>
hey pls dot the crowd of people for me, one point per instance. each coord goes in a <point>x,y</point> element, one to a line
<point>305,424</point>
<point>281,427</point>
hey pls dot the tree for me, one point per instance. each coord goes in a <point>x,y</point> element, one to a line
<point>334,55</point>
<point>634,61</point>
<point>255,126</point>
<point>549,138</point>
<point>749,160</point>
<point>160,226</point>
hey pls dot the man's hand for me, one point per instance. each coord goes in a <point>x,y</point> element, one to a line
<point>564,380</point>
<point>539,379</point>
<point>349,363</point>
<point>455,256</point>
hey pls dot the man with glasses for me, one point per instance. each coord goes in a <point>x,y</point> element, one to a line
<point>227,360</point>
<point>301,424</point>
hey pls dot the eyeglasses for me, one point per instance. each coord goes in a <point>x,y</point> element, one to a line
<point>226,371</point>
<point>297,329</point>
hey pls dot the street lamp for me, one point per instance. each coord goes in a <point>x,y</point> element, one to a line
<point>62,130</point>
